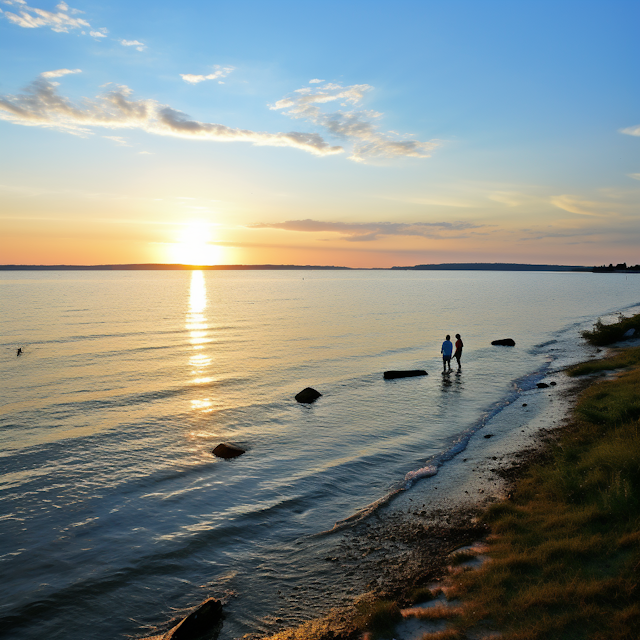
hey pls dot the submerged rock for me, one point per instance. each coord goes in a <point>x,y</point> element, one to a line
<point>203,620</point>
<point>390,375</point>
<point>542,385</point>
<point>505,342</point>
<point>228,450</point>
<point>308,395</point>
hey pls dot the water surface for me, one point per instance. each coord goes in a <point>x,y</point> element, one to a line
<point>112,508</point>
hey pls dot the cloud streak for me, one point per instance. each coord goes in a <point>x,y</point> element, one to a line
<point>355,125</point>
<point>220,72</point>
<point>140,46</point>
<point>368,231</point>
<point>62,20</point>
<point>573,204</point>
<point>41,105</point>
<point>631,131</point>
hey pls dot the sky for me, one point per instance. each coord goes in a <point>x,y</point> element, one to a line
<point>350,133</point>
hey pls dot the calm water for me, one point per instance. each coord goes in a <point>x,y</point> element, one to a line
<point>113,510</point>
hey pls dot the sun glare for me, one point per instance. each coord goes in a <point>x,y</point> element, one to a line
<point>193,246</point>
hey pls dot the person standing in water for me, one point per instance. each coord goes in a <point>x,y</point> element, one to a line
<point>458,352</point>
<point>446,351</point>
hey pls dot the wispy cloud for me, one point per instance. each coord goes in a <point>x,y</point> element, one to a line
<point>358,126</point>
<point>41,105</point>
<point>635,176</point>
<point>315,81</point>
<point>573,204</point>
<point>100,33</point>
<point>140,46</point>
<point>367,231</point>
<point>631,131</point>
<point>219,72</point>
<point>119,140</point>
<point>58,73</point>
<point>62,20</point>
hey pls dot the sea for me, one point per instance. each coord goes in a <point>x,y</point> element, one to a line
<point>115,516</point>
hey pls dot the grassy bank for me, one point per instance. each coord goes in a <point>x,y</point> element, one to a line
<point>565,549</point>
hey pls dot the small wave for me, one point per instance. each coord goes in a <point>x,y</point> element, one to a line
<point>425,472</point>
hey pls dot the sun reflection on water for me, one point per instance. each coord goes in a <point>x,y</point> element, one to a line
<point>196,324</point>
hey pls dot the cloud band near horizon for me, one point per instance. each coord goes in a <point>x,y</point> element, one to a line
<point>368,231</point>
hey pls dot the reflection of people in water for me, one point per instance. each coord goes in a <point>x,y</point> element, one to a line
<point>458,352</point>
<point>446,351</point>
<point>19,352</point>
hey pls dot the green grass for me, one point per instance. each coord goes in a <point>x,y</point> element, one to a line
<point>566,550</point>
<point>621,359</point>
<point>604,334</point>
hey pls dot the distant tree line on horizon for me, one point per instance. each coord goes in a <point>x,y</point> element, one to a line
<point>621,266</point>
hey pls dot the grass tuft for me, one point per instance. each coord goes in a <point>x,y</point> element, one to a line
<point>379,617</point>
<point>422,594</point>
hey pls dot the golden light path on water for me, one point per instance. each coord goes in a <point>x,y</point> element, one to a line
<point>196,324</point>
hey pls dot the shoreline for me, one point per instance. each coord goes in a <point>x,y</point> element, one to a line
<point>404,545</point>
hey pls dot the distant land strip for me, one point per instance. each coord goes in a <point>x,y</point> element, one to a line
<point>452,266</point>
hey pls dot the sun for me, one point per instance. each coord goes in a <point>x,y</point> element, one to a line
<point>194,247</point>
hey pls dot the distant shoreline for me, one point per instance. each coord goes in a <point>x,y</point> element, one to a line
<point>472,266</point>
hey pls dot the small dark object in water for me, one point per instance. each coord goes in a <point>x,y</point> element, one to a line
<point>524,404</point>
<point>390,375</point>
<point>308,395</point>
<point>199,622</point>
<point>489,435</point>
<point>553,384</point>
<point>505,342</point>
<point>19,352</point>
<point>542,385</point>
<point>227,450</point>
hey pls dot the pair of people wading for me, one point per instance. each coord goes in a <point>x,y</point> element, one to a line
<point>447,350</point>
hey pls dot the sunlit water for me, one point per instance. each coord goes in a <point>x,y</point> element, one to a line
<point>113,509</point>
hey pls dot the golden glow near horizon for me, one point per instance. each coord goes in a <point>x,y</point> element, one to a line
<point>194,247</point>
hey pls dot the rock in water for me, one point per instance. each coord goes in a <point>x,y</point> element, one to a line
<point>505,342</point>
<point>542,385</point>
<point>228,450</point>
<point>199,622</point>
<point>390,375</point>
<point>308,395</point>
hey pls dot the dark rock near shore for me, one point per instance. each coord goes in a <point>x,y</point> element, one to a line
<point>489,435</point>
<point>505,342</point>
<point>390,375</point>
<point>542,385</point>
<point>199,623</point>
<point>228,450</point>
<point>308,395</point>
<point>553,384</point>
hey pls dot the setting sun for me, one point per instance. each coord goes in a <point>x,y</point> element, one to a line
<point>193,245</point>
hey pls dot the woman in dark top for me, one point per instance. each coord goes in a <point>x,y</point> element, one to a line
<point>458,352</point>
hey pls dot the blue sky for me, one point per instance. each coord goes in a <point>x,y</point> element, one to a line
<point>363,134</point>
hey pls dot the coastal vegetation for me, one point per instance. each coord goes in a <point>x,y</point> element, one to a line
<point>604,334</point>
<point>565,550</point>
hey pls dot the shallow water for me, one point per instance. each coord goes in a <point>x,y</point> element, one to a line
<point>112,508</point>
